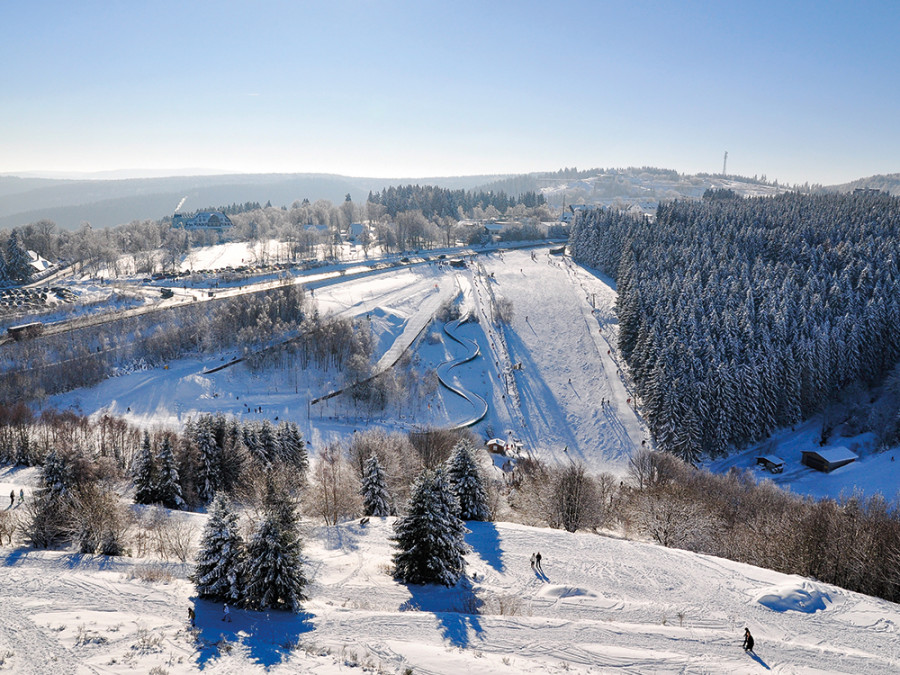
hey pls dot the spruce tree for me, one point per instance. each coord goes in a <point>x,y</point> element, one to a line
<point>56,477</point>
<point>267,446</point>
<point>465,478</point>
<point>18,264</point>
<point>208,478</point>
<point>430,537</point>
<point>376,500</point>
<point>274,576</point>
<point>144,472</point>
<point>168,486</point>
<point>291,447</point>
<point>221,558</point>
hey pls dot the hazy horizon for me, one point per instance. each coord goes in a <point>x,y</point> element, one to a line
<point>805,92</point>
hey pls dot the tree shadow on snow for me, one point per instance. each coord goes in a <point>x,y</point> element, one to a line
<point>455,608</point>
<point>16,555</point>
<point>266,637</point>
<point>485,541</point>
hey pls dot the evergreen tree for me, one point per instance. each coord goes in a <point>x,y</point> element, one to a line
<point>56,477</point>
<point>221,558</point>
<point>430,537</point>
<point>168,486</point>
<point>144,472</point>
<point>18,264</point>
<point>274,570</point>
<point>376,500</point>
<point>291,447</point>
<point>267,446</point>
<point>466,481</point>
<point>208,479</point>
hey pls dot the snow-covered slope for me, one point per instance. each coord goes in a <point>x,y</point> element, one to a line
<point>603,605</point>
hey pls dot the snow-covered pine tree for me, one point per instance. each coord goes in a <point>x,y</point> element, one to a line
<point>251,442</point>
<point>235,457</point>
<point>273,574</point>
<point>267,445</point>
<point>18,264</point>
<point>465,479</point>
<point>376,500</point>
<point>291,447</point>
<point>4,271</point>
<point>144,472</point>
<point>56,477</point>
<point>430,537</point>
<point>208,470</point>
<point>168,485</point>
<point>221,558</point>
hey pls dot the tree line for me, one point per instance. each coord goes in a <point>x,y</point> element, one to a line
<point>437,202</point>
<point>739,316</point>
<point>434,482</point>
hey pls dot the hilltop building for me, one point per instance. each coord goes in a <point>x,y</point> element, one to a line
<point>207,220</point>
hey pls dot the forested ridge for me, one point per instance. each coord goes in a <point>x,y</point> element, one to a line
<point>440,202</point>
<point>738,316</point>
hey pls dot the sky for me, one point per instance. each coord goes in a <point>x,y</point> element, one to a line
<point>795,91</point>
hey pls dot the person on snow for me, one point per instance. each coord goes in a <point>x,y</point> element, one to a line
<point>12,497</point>
<point>21,496</point>
<point>192,616</point>
<point>532,561</point>
<point>226,613</point>
<point>537,562</point>
<point>748,640</point>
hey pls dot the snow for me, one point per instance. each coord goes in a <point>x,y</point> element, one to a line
<point>607,605</point>
<point>799,595</point>
<point>872,473</point>
<point>838,454</point>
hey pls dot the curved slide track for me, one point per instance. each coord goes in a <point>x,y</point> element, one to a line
<point>474,351</point>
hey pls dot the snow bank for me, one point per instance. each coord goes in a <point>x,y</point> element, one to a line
<point>798,595</point>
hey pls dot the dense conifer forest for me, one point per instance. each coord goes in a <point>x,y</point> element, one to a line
<point>738,316</point>
<point>440,202</point>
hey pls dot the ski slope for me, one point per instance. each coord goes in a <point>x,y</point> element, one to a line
<point>603,605</point>
<point>552,403</point>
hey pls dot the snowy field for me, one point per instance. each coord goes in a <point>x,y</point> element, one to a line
<point>561,335</point>
<point>561,345</point>
<point>602,605</point>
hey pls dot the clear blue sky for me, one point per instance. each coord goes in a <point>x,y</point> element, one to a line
<point>794,90</point>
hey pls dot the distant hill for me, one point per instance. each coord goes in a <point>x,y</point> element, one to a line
<point>106,203</point>
<point>886,182</point>
<point>641,187</point>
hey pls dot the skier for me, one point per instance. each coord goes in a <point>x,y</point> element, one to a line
<point>537,562</point>
<point>532,561</point>
<point>12,497</point>
<point>21,496</point>
<point>191,616</point>
<point>226,613</point>
<point>748,640</point>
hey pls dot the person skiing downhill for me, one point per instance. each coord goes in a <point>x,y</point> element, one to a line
<point>226,613</point>
<point>12,497</point>
<point>748,640</point>
<point>537,562</point>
